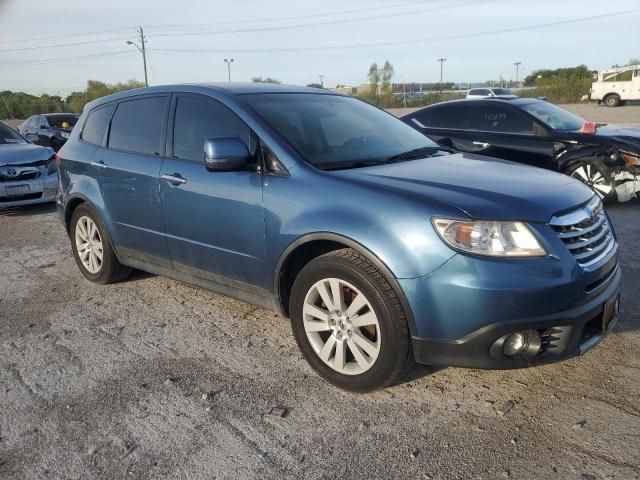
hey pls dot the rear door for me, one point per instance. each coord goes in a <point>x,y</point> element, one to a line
<point>445,124</point>
<point>127,174</point>
<point>214,220</point>
<point>42,131</point>
<point>501,130</point>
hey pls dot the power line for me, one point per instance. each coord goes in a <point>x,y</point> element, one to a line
<point>295,17</point>
<point>63,59</point>
<point>59,45</point>
<point>325,22</point>
<point>400,42</point>
<point>55,37</point>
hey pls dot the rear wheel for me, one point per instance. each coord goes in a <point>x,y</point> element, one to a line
<point>595,175</point>
<point>612,100</point>
<point>92,249</point>
<point>349,323</point>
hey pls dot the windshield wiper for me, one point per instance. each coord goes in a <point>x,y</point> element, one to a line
<point>357,164</point>
<point>415,153</point>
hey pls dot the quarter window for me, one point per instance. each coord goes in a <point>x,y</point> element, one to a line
<point>499,118</point>
<point>137,125</point>
<point>198,119</point>
<point>96,125</point>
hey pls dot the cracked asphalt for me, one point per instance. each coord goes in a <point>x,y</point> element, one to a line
<point>151,378</point>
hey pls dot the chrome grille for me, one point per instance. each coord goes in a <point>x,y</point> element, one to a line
<point>17,173</point>
<point>585,232</point>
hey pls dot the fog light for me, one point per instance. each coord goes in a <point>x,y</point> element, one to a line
<point>514,344</point>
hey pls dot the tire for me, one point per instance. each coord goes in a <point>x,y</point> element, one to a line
<point>594,174</point>
<point>87,225</point>
<point>372,336</point>
<point>612,100</point>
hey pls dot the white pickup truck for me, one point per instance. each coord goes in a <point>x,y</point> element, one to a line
<point>615,86</point>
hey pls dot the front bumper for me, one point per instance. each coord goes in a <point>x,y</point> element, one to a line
<point>467,305</point>
<point>565,334</point>
<point>42,189</point>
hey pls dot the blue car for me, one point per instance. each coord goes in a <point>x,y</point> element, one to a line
<point>382,247</point>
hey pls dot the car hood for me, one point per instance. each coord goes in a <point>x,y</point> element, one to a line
<point>482,187</point>
<point>23,153</point>
<point>629,136</point>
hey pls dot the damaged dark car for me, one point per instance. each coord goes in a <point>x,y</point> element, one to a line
<point>604,157</point>
<point>28,173</point>
<point>49,130</point>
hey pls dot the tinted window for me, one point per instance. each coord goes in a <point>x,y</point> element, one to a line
<point>9,135</point>
<point>137,125</point>
<point>198,119</point>
<point>499,118</point>
<point>96,125</point>
<point>62,120</point>
<point>42,122</point>
<point>332,131</point>
<point>449,116</point>
<point>502,91</point>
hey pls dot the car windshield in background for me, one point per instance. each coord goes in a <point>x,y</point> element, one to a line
<point>62,121</point>
<point>553,116</point>
<point>8,135</point>
<point>333,132</point>
<point>502,91</point>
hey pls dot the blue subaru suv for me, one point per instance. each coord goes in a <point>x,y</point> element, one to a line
<point>381,247</point>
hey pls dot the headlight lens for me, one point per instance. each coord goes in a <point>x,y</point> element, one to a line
<point>491,238</point>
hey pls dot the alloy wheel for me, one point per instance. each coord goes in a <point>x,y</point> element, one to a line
<point>593,178</point>
<point>89,244</point>
<point>341,326</point>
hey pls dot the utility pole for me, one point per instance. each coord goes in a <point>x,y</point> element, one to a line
<point>321,80</point>
<point>143,50</point>
<point>517,64</point>
<point>228,61</point>
<point>441,60</point>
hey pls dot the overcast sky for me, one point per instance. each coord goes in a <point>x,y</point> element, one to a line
<point>410,34</point>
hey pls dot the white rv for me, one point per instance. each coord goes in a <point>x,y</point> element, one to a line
<point>615,86</point>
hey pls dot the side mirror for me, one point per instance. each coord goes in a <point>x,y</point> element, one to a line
<point>225,154</point>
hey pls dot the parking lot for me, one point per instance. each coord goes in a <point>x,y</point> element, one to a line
<point>151,378</point>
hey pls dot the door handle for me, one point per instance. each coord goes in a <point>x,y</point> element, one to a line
<point>481,144</point>
<point>99,164</point>
<point>174,179</point>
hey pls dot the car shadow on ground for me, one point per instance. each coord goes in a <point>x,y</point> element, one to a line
<point>28,210</point>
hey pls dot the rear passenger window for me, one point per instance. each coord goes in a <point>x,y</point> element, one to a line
<point>198,119</point>
<point>96,125</point>
<point>137,125</point>
<point>449,116</point>
<point>499,118</point>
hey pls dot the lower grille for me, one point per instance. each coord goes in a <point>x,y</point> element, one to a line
<point>585,232</point>
<point>17,198</point>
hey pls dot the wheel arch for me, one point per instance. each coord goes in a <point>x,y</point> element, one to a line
<point>310,246</point>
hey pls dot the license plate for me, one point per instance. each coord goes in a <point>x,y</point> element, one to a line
<point>17,190</point>
<point>611,310</point>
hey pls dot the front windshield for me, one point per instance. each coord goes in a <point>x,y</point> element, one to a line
<point>332,131</point>
<point>553,116</point>
<point>502,91</point>
<point>9,136</point>
<point>62,121</point>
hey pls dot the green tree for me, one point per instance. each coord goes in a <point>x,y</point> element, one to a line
<point>265,80</point>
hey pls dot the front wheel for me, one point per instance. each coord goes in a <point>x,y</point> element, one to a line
<point>612,100</point>
<point>595,175</point>
<point>349,323</point>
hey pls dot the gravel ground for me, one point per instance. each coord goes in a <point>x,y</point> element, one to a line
<point>151,378</point>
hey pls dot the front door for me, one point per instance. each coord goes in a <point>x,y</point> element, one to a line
<point>214,221</point>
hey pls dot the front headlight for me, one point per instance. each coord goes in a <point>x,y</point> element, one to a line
<point>491,238</point>
<point>65,134</point>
